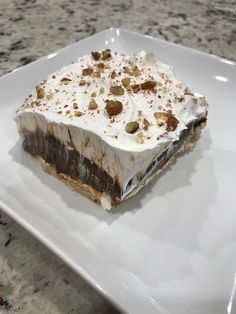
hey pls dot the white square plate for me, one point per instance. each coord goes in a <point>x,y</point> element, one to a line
<point>172,248</point>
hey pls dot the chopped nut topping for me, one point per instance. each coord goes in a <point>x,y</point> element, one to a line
<point>101,90</point>
<point>148,85</point>
<point>101,66</point>
<point>113,74</point>
<point>172,123</point>
<point>135,88</point>
<point>161,115</point>
<point>75,105</point>
<point>66,80</point>
<point>126,81</point>
<point>93,94</point>
<point>127,70</point>
<point>87,72</point>
<point>82,83</point>
<point>139,138</point>
<point>106,54</point>
<point>49,96</point>
<point>136,71</point>
<point>117,90</point>
<point>168,118</point>
<point>78,113</point>
<point>131,127</point>
<point>96,55</point>
<point>113,107</point>
<point>92,105</point>
<point>40,92</point>
<point>97,73</point>
<point>146,124</point>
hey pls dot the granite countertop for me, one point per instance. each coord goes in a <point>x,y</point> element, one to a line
<point>32,279</point>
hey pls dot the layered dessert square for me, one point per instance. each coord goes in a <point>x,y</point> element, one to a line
<point>109,123</point>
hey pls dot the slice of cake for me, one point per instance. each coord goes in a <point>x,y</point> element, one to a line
<point>107,124</point>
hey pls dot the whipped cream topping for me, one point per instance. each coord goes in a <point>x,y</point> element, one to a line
<point>79,96</point>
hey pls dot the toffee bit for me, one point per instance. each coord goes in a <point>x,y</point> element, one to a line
<point>117,90</point>
<point>139,138</point>
<point>75,105</point>
<point>87,72</point>
<point>127,70</point>
<point>172,123</point>
<point>113,74</point>
<point>168,118</point>
<point>131,127</point>
<point>93,94</point>
<point>146,124</point>
<point>65,80</point>
<point>106,54</point>
<point>78,113</point>
<point>135,88</point>
<point>136,71</point>
<point>113,107</point>
<point>148,85</point>
<point>96,55</point>
<point>82,83</point>
<point>97,74</point>
<point>126,81</point>
<point>40,92</point>
<point>92,105</point>
<point>161,115</point>
<point>101,66</point>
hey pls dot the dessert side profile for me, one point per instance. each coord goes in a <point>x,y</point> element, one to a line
<point>109,123</point>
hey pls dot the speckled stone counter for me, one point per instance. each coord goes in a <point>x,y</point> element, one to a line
<point>32,279</point>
